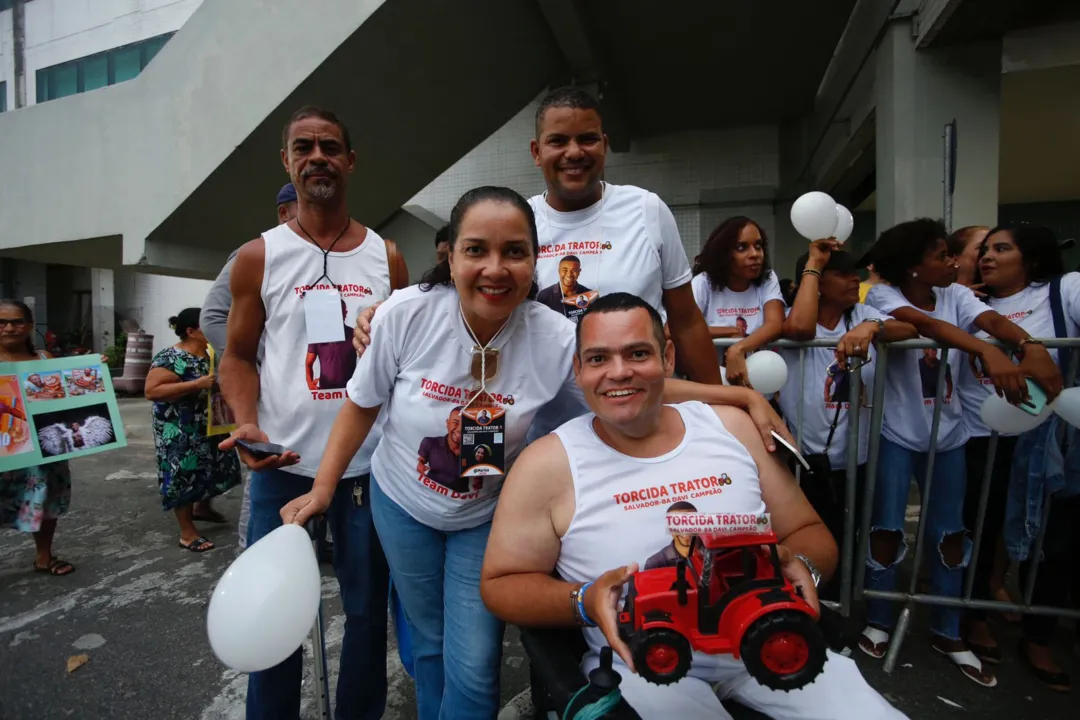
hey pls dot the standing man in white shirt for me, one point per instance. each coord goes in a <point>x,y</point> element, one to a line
<point>623,237</point>
<point>287,288</point>
<point>212,321</point>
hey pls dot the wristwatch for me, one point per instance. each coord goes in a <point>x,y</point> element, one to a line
<point>1024,343</point>
<point>877,321</point>
<point>814,574</point>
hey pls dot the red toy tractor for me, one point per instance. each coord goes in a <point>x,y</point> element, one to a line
<point>734,600</point>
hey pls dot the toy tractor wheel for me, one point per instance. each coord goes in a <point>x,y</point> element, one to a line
<point>661,656</point>
<point>784,650</point>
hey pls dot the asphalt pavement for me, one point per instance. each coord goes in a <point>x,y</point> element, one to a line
<point>136,607</point>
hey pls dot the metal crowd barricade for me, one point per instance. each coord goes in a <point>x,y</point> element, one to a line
<point>853,558</point>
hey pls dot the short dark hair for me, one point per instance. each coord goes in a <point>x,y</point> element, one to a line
<point>442,235</point>
<point>440,274</point>
<point>1039,249</point>
<point>621,302</point>
<point>903,246</point>
<point>681,505</point>
<point>186,319</point>
<point>313,111</point>
<point>28,316</point>
<point>567,97</point>
<point>715,257</point>
<point>569,258</point>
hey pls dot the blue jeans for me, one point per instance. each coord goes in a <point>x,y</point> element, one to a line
<point>362,574</point>
<point>456,643</point>
<point>944,516</point>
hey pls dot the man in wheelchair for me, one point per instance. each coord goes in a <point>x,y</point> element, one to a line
<point>590,503</point>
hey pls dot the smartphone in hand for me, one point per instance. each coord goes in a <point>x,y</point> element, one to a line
<point>791,449</point>
<point>1036,401</point>
<point>261,450</point>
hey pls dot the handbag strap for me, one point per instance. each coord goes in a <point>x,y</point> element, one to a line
<point>1057,310</point>
<point>836,415</point>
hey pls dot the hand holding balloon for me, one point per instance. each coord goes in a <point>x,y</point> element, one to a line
<point>266,602</point>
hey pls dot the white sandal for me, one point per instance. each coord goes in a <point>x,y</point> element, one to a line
<point>877,637</point>
<point>967,659</point>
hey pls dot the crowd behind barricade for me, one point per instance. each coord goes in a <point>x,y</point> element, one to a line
<point>502,442</point>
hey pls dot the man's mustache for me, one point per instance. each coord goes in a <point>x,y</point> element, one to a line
<point>319,170</point>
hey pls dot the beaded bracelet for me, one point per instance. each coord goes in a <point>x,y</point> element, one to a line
<point>583,616</point>
<point>811,271</point>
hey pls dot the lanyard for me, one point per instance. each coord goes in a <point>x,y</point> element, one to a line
<point>326,252</point>
<point>483,355</point>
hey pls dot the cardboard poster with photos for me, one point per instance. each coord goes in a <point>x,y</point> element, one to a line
<point>57,409</point>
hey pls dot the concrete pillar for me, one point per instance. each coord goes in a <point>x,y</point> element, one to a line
<point>918,92</point>
<point>103,308</point>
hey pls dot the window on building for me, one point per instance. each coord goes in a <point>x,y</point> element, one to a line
<point>97,71</point>
<point>3,95</point>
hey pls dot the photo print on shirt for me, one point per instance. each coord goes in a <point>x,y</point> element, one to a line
<point>568,296</point>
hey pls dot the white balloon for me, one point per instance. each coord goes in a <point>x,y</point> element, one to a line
<point>266,602</point>
<point>1067,405</point>
<point>767,371</point>
<point>814,216</point>
<point>845,223</point>
<point>999,414</point>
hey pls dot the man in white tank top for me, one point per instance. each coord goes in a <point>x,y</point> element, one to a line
<point>288,288</point>
<point>590,502</point>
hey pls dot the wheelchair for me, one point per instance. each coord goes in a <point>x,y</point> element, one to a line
<point>555,672</point>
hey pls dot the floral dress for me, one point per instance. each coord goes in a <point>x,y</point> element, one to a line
<point>33,494</point>
<point>191,468</point>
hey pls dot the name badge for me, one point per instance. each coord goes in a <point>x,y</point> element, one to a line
<point>483,425</point>
<point>324,316</point>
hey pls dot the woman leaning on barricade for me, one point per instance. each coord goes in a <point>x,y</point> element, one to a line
<point>827,306</point>
<point>461,365</point>
<point>921,290</point>
<point>1024,279</point>
<point>738,292</point>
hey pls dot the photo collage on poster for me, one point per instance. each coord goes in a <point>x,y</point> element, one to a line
<point>56,409</point>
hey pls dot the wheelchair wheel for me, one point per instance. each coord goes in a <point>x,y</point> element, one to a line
<point>661,656</point>
<point>784,650</point>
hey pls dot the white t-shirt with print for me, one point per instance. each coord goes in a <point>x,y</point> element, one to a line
<point>911,375</point>
<point>1030,309</point>
<point>418,367</point>
<point>820,401</point>
<point>626,242</point>
<point>725,308</point>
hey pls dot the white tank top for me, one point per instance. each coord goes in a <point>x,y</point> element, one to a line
<point>620,502</point>
<point>290,413</point>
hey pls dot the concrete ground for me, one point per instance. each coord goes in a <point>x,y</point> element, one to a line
<point>136,606</point>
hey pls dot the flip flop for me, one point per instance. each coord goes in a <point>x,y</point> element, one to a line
<point>877,638</point>
<point>198,545</point>
<point>56,567</point>
<point>987,653</point>
<point>967,659</point>
<point>1058,681</point>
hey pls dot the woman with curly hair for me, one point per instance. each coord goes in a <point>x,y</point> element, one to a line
<point>737,292</point>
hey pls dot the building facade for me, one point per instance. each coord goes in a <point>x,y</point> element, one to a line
<point>164,115</point>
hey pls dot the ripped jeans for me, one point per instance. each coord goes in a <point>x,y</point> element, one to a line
<point>944,517</point>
